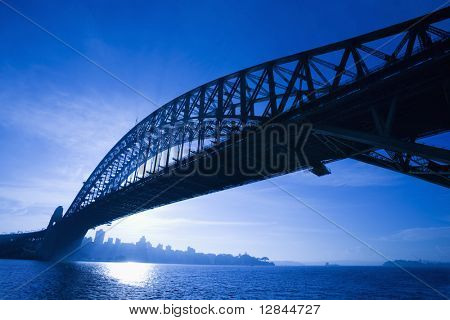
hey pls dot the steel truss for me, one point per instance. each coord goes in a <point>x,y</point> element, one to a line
<point>211,113</point>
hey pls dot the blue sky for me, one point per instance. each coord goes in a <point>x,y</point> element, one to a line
<point>60,114</point>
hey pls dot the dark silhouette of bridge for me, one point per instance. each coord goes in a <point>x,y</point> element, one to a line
<point>368,98</point>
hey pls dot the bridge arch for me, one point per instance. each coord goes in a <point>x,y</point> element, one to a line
<point>211,113</point>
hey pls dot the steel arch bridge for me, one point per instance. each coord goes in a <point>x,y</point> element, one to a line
<point>251,97</point>
<point>368,98</point>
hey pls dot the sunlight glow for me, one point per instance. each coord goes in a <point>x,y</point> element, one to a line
<point>130,273</point>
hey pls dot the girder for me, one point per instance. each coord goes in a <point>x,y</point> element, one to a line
<point>210,114</point>
<point>409,164</point>
<point>389,143</point>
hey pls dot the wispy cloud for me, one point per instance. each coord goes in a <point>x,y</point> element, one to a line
<point>349,173</point>
<point>76,123</point>
<point>19,216</point>
<point>186,222</point>
<point>67,134</point>
<point>419,234</point>
<point>40,191</point>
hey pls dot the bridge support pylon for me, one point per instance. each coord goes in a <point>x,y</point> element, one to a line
<point>62,238</point>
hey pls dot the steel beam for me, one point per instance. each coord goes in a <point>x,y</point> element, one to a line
<point>389,143</point>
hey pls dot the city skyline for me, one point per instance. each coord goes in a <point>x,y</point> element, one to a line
<point>99,250</point>
<point>53,99</point>
<point>99,238</point>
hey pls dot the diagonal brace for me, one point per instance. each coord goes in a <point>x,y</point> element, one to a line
<point>389,143</point>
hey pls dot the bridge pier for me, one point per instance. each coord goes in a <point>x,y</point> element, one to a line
<point>62,238</point>
<point>60,243</point>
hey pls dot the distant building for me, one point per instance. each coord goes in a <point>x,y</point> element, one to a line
<point>118,242</point>
<point>168,248</point>
<point>190,250</point>
<point>86,241</point>
<point>99,237</point>
<point>110,241</point>
<point>141,241</point>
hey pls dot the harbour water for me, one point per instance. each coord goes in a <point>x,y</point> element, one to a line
<point>20,279</point>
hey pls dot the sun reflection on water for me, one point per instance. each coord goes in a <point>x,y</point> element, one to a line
<point>130,273</point>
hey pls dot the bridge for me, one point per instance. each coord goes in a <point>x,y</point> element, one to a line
<point>368,98</point>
